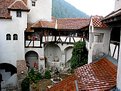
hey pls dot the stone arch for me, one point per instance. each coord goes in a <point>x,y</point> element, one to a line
<point>7,70</point>
<point>32,58</point>
<point>52,54</point>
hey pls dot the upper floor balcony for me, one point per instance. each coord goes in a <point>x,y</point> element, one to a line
<point>38,42</point>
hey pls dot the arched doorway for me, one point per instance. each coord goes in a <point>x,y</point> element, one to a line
<point>31,59</point>
<point>52,54</point>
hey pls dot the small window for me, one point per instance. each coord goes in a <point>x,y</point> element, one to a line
<point>18,13</point>
<point>33,3</point>
<point>99,37</point>
<point>15,37</point>
<point>8,37</point>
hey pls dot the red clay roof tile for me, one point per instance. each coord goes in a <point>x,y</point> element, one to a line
<point>68,84</point>
<point>25,1</point>
<point>18,5</point>
<point>4,8</point>
<point>98,76</point>
<point>65,23</point>
<point>72,23</point>
<point>97,22</point>
<point>44,24</point>
<point>4,4</point>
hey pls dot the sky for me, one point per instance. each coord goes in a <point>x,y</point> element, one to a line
<point>94,7</point>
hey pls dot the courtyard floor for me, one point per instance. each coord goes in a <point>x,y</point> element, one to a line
<point>47,82</point>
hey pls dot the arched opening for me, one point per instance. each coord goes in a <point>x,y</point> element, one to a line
<point>15,37</point>
<point>31,59</point>
<point>8,37</point>
<point>68,55</point>
<point>7,70</point>
<point>52,55</point>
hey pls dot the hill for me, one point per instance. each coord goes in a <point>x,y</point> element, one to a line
<point>62,9</point>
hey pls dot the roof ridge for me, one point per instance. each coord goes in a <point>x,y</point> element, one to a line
<point>12,4</point>
<point>24,3</point>
<point>16,2</point>
<point>73,18</point>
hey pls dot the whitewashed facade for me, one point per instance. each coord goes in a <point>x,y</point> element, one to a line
<point>41,11</point>
<point>99,39</point>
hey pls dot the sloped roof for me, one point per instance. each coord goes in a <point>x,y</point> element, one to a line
<point>68,84</point>
<point>25,1</point>
<point>72,23</point>
<point>4,4</point>
<point>98,76</point>
<point>4,8</point>
<point>18,5</point>
<point>97,22</point>
<point>29,27</point>
<point>113,16</point>
<point>44,24</point>
<point>63,23</point>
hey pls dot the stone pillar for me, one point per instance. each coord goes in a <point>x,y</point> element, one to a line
<point>90,47</point>
<point>21,72</point>
<point>119,68</point>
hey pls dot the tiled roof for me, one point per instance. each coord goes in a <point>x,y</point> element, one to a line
<point>68,84</point>
<point>4,8</point>
<point>65,23</point>
<point>18,5</point>
<point>4,4</point>
<point>29,27</point>
<point>25,1</point>
<point>97,22</point>
<point>72,23</point>
<point>98,76</point>
<point>44,24</point>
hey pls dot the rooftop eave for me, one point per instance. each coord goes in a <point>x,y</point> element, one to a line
<point>41,28</point>
<point>112,19</point>
<point>26,10</point>
<point>6,17</point>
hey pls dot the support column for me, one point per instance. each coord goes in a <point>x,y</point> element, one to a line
<point>119,68</point>
<point>90,47</point>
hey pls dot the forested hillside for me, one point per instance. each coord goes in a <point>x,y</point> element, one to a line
<point>62,9</point>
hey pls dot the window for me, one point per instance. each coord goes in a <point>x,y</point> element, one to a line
<point>18,13</point>
<point>33,3</point>
<point>99,37</point>
<point>8,37</point>
<point>15,37</point>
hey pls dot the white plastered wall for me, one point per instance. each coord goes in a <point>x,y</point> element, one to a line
<point>98,47</point>
<point>12,50</point>
<point>41,10</point>
<point>117,4</point>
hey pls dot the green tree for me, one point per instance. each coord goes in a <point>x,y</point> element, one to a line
<point>25,84</point>
<point>79,55</point>
<point>32,77</point>
<point>47,74</point>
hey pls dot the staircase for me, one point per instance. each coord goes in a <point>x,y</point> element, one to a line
<point>5,75</point>
<point>8,72</point>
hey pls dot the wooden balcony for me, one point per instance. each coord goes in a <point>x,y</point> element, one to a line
<point>37,43</point>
